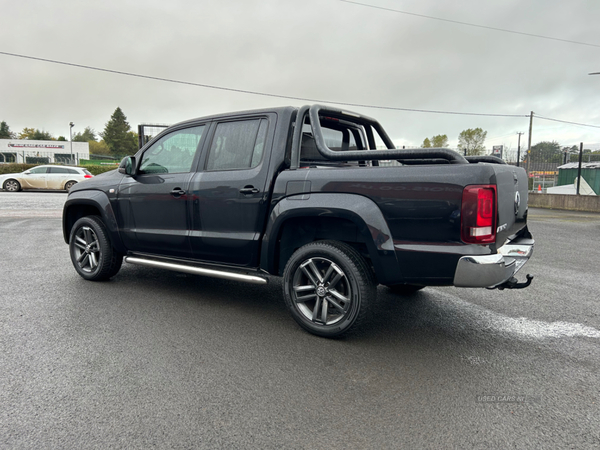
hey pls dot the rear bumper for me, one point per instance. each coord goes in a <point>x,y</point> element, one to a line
<point>493,270</point>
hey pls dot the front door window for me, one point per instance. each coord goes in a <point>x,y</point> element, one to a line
<point>173,153</point>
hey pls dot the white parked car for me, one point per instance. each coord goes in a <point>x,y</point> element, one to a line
<point>44,177</point>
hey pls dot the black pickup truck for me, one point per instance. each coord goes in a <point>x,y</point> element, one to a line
<point>305,194</point>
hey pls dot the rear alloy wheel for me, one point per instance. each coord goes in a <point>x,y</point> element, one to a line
<point>328,288</point>
<point>92,254</point>
<point>69,185</point>
<point>12,186</point>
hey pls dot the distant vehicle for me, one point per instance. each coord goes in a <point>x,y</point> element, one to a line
<point>44,177</point>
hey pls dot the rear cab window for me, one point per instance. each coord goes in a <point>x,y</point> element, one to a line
<point>237,145</point>
<point>339,136</point>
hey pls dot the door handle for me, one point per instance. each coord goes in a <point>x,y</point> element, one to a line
<point>177,192</point>
<point>249,190</point>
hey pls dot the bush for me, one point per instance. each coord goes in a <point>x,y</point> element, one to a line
<point>97,169</point>
<point>98,162</point>
<point>18,167</point>
<point>15,167</point>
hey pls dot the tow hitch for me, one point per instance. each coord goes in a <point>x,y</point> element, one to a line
<point>513,283</point>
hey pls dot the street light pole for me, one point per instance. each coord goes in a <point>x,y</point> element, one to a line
<point>529,142</point>
<point>519,149</point>
<point>71,125</point>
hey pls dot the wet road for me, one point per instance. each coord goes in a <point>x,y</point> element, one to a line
<point>161,359</point>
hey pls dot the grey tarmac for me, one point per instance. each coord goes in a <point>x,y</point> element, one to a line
<point>157,359</point>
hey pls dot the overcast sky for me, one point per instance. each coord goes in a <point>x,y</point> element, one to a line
<point>326,50</point>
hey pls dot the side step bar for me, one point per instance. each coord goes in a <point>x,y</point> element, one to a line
<point>196,270</point>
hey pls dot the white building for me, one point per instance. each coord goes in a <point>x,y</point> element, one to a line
<point>42,152</point>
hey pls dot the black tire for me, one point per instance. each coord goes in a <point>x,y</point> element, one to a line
<point>69,185</point>
<point>328,288</point>
<point>405,289</point>
<point>11,185</point>
<point>92,253</point>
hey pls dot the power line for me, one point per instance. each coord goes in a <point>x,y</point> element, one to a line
<point>265,94</point>
<point>289,97</point>
<point>566,121</point>
<point>471,24</point>
<point>500,137</point>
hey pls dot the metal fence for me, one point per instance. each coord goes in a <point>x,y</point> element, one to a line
<point>146,132</point>
<point>546,160</point>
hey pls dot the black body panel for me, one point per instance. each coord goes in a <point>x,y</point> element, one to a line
<point>405,220</point>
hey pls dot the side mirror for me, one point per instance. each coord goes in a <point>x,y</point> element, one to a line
<point>127,166</point>
<point>27,172</point>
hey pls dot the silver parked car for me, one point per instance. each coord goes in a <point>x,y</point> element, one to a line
<point>44,177</point>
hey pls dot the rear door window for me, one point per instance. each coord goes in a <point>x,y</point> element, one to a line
<point>61,170</point>
<point>237,145</point>
<point>38,170</point>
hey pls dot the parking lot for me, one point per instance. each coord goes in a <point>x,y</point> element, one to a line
<point>161,359</point>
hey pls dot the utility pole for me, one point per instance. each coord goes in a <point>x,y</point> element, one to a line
<point>519,149</point>
<point>579,167</point>
<point>529,144</point>
<point>71,125</point>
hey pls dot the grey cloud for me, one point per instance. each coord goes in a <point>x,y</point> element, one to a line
<point>322,49</point>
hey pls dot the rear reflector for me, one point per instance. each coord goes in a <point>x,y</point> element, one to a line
<point>88,176</point>
<point>478,214</point>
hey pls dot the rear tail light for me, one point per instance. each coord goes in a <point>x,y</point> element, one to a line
<point>88,176</point>
<point>478,214</point>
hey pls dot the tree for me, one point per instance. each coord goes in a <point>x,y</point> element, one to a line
<point>35,135</point>
<point>118,135</point>
<point>438,141</point>
<point>133,142</point>
<point>5,132</point>
<point>99,148</point>
<point>546,151</point>
<point>571,150</point>
<point>471,140</point>
<point>26,133</point>
<point>87,135</point>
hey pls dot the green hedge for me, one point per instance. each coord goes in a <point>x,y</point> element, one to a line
<point>15,168</point>
<point>97,170</point>
<point>98,162</point>
<point>18,168</point>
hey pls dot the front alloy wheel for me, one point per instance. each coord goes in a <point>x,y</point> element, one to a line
<point>12,186</point>
<point>92,253</point>
<point>86,249</point>
<point>328,288</point>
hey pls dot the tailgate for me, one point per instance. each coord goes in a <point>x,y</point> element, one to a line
<point>512,201</point>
